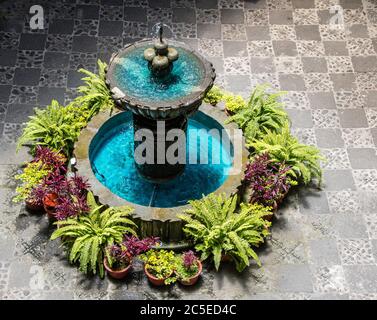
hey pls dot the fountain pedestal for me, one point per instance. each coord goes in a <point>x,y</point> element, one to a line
<point>162,168</point>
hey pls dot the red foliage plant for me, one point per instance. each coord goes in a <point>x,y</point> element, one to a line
<point>268,180</point>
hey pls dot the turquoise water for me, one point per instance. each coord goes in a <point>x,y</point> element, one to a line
<point>134,77</point>
<point>111,155</point>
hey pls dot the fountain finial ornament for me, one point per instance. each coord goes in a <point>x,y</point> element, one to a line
<point>160,58</point>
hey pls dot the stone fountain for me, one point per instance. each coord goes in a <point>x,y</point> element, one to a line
<point>160,56</point>
<point>156,82</point>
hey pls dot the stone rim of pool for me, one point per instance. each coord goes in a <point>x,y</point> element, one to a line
<point>151,220</point>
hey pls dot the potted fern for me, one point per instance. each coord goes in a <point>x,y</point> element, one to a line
<point>87,236</point>
<point>217,229</point>
<point>159,266</point>
<point>262,113</point>
<point>188,268</point>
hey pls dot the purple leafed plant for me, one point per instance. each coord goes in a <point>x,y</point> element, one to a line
<point>71,197</point>
<point>189,259</point>
<point>52,159</point>
<point>136,246</point>
<point>267,180</point>
<point>37,194</point>
<point>70,191</point>
<point>70,206</point>
<point>120,258</point>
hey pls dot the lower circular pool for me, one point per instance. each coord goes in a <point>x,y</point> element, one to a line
<point>111,154</point>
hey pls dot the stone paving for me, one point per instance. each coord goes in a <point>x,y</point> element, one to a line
<point>323,243</point>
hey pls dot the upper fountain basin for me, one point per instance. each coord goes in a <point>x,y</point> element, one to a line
<point>180,92</point>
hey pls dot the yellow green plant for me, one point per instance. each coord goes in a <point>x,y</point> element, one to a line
<point>234,103</point>
<point>214,96</point>
<point>160,263</point>
<point>32,175</point>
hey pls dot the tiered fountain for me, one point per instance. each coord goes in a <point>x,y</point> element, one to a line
<point>162,83</point>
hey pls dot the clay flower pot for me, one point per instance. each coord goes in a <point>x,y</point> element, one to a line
<point>156,281</point>
<point>226,257</point>
<point>229,113</point>
<point>30,205</point>
<point>49,203</point>
<point>117,274</point>
<point>274,211</point>
<point>191,281</point>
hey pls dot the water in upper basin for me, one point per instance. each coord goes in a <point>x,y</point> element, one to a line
<point>134,78</point>
<point>111,154</point>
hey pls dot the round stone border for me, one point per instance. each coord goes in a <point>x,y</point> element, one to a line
<point>164,109</point>
<point>156,221</point>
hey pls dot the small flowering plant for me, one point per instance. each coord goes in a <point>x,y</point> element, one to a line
<point>30,178</point>
<point>160,264</point>
<point>268,181</point>
<point>187,265</point>
<point>118,257</point>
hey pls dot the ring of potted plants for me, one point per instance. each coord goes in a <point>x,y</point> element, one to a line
<point>117,261</point>
<point>188,268</point>
<point>159,266</point>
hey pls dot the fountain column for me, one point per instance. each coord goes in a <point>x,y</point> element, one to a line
<point>163,171</point>
<point>160,59</point>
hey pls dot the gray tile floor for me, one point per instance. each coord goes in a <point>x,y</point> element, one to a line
<point>323,244</point>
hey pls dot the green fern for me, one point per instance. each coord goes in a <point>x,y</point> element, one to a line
<point>282,147</point>
<point>262,113</point>
<point>56,127</point>
<point>217,229</point>
<point>89,235</point>
<point>95,93</point>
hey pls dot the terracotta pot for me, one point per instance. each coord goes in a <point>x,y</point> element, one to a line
<point>117,274</point>
<point>33,207</point>
<point>282,197</point>
<point>274,211</point>
<point>50,203</point>
<point>226,258</point>
<point>228,112</point>
<point>156,281</point>
<point>191,281</point>
<point>269,217</point>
